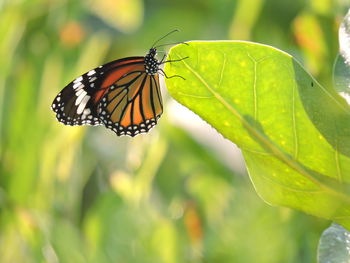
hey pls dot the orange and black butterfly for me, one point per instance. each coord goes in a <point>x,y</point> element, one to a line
<point>124,95</point>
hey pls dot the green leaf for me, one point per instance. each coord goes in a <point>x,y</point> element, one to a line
<point>334,246</point>
<point>294,133</point>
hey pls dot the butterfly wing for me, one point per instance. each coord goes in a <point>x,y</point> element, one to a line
<point>77,103</point>
<point>133,104</point>
<point>74,104</point>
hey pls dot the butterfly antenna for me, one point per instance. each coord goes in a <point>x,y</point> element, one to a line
<point>169,44</point>
<point>171,32</point>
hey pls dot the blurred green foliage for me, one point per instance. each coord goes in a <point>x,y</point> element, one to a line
<point>77,194</point>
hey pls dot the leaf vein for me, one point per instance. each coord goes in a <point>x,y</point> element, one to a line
<point>255,98</point>
<point>222,70</point>
<point>195,96</point>
<point>337,163</point>
<point>291,188</point>
<point>296,140</point>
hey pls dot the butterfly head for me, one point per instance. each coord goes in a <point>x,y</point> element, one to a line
<point>151,63</point>
<point>152,52</point>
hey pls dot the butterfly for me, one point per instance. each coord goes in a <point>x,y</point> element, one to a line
<point>123,95</point>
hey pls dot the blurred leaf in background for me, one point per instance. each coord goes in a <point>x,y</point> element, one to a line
<point>80,194</point>
<point>124,15</point>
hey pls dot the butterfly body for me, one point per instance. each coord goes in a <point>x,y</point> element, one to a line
<point>124,95</point>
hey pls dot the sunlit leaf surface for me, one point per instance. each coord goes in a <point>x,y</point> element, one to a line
<point>294,133</point>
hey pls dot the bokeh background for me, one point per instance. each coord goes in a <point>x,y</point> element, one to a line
<point>178,194</point>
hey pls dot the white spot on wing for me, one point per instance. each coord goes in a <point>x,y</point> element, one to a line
<point>76,84</point>
<point>80,87</point>
<point>79,79</point>
<point>93,79</point>
<point>91,72</point>
<point>87,111</point>
<point>79,92</point>
<point>83,104</point>
<point>80,98</point>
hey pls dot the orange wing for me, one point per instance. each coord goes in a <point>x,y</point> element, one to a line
<point>77,103</point>
<point>120,69</point>
<point>133,103</point>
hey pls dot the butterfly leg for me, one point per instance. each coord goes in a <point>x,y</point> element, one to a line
<point>161,62</point>
<point>169,77</point>
<point>174,60</point>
